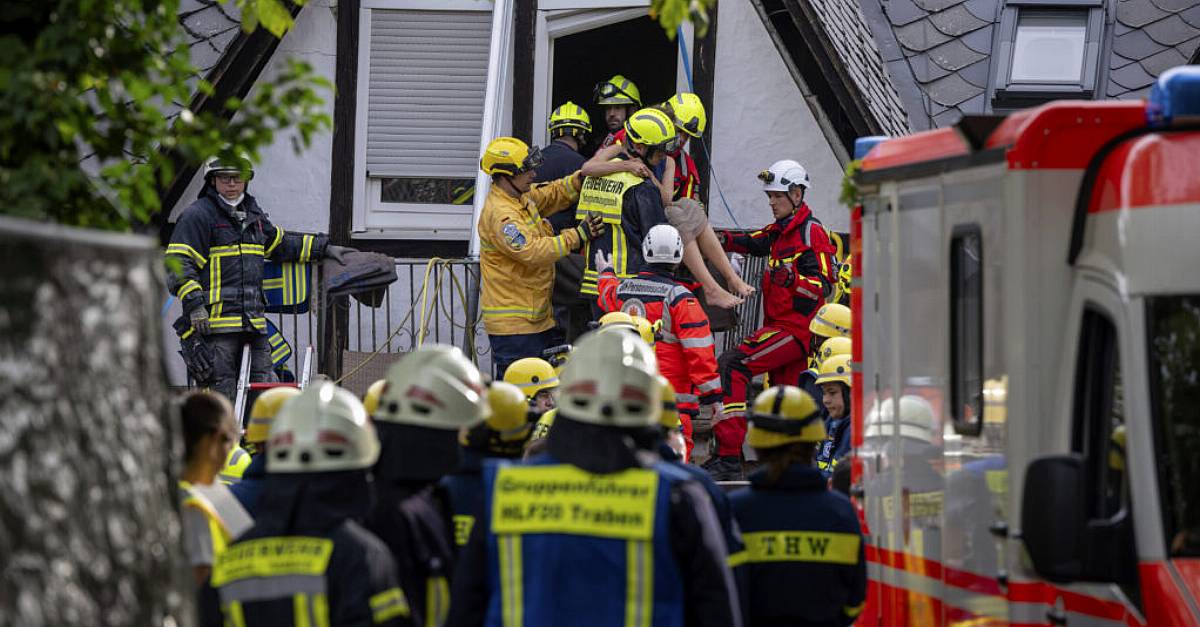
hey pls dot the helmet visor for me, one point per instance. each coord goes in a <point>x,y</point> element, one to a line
<point>533,160</point>
<point>691,127</point>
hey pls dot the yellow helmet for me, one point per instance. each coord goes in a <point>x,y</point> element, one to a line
<point>265,408</point>
<point>832,347</point>
<point>531,375</point>
<point>782,415</point>
<point>617,90</point>
<point>374,393</point>
<point>832,320</point>
<point>617,318</point>
<point>650,127</point>
<point>836,369</point>
<point>669,418</point>
<point>689,113</point>
<point>646,329</point>
<point>542,428</point>
<point>509,155</point>
<point>235,465</point>
<point>569,119</point>
<point>509,411</point>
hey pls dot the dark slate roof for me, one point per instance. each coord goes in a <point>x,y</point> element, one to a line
<point>940,51</point>
<point>1148,38</point>
<point>851,38</point>
<point>209,28</point>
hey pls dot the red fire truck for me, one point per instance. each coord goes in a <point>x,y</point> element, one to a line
<point>1027,392</point>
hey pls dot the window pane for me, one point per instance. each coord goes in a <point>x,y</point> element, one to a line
<point>1049,47</point>
<point>428,191</point>
<point>966,331</point>
<point>1174,355</point>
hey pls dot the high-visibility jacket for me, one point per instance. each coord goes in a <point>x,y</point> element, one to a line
<point>218,530</point>
<point>800,269</point>
<point>465,491</point>
<point>797,529</point>
<point>568,547</point>
<point>220,260</point>
<point>518,249</point>
<point>685,352</point>
<point>414,526</point>
<point>630,206</point>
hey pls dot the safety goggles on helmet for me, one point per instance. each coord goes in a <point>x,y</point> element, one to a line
<point>609,90</point>
<point>768,176</point>
<point>533,160</point>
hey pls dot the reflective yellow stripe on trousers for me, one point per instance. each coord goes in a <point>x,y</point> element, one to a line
<point>639,583</point>
<point>511,579</point>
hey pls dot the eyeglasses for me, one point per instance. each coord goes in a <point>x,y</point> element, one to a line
<point>228,179</point>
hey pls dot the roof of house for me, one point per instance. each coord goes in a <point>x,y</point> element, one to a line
<point>209,29</point>
<point>938,52</point>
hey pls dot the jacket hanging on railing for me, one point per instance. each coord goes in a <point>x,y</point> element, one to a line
<point>287,285</point>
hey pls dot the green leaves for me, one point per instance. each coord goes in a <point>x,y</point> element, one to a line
<point>93,96</point>
<point>671,13</point>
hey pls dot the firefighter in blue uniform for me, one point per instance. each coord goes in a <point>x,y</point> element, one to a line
<point>796,529</point>
<point>306,561</point>
<point>431,394</point>
<point>595,531</point>
<point>502,436</point>
<point>219,245</point>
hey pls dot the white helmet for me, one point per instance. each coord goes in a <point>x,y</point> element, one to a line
<point>325,428</point>
<point>662,245</point>
<point>611,380</point>
<point>435,387</point>
<point>916,419</point>
<point>782,175</point>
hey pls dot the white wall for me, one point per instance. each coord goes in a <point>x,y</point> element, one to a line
<point>759,117</point>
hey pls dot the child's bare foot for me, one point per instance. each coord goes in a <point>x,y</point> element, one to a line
<point>720,298</point>
<point>739,287</point>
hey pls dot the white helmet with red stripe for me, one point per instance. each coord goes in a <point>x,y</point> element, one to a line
<point>435,387</point>
<point>611,380</point>
<point>323,429</point>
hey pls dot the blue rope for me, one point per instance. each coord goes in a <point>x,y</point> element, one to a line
<point>712,170</point>
<point>167,306</point>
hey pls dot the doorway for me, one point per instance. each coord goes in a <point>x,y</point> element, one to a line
<point>637,49</point>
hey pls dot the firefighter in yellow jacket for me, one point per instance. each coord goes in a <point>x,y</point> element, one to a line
<point>518,249</point>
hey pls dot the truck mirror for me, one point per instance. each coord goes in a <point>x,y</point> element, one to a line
<point>1053,516</point>
<point>1063,543</point>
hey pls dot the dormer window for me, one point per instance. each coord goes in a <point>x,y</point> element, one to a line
<point>1047,51</point>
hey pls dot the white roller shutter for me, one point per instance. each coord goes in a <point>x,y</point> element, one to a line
<point>426,91</point>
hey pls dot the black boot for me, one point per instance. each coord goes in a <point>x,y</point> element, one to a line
<point>728,468</point>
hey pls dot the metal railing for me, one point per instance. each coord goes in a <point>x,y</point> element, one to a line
<point>432,301</point>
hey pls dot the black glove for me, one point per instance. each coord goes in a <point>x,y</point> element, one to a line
<point>198,358</point>
<point>783,276</point>
<point>199,320</point>
<point>338,253</point>
<point>590,228</point>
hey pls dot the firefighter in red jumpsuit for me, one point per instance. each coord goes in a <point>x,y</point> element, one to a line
<point>685,351</point>
<point>800,274</point>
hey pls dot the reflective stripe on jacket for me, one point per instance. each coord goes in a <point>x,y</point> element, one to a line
<point>630,205</point>
<point>220,260</point>
<point>518,249</point>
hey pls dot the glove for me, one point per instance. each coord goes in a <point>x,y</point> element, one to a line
<point>197,356</point>
<point>783,276</point>
<point>199,320</point>
<point>603,262</point>
<point>338,253</point>
<point>590,228</point>
<point>710,414</point>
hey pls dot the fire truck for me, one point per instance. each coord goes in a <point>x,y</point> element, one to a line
<point>1026,396</point>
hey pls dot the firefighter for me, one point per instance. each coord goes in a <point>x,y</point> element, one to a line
<point>629,203</point>
<point>612,535</point>
<point>536,379</point>
<point>502,436</point>
<point>832,320</point>
<point>829,348</point>
<point>307,561</point>
<point>798,277</point>
<point>431,394</point>
<point>834,382</point>
<point>618,97</point>
<point>218,248</point>
<point>211,516</point>
<point>794,527</point>
<point>685,353</point>
<point>249,490</point>
<point>518,249</point>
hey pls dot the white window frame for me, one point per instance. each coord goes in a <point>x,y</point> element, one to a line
<point>559,18</point>
<point>373,219</point>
